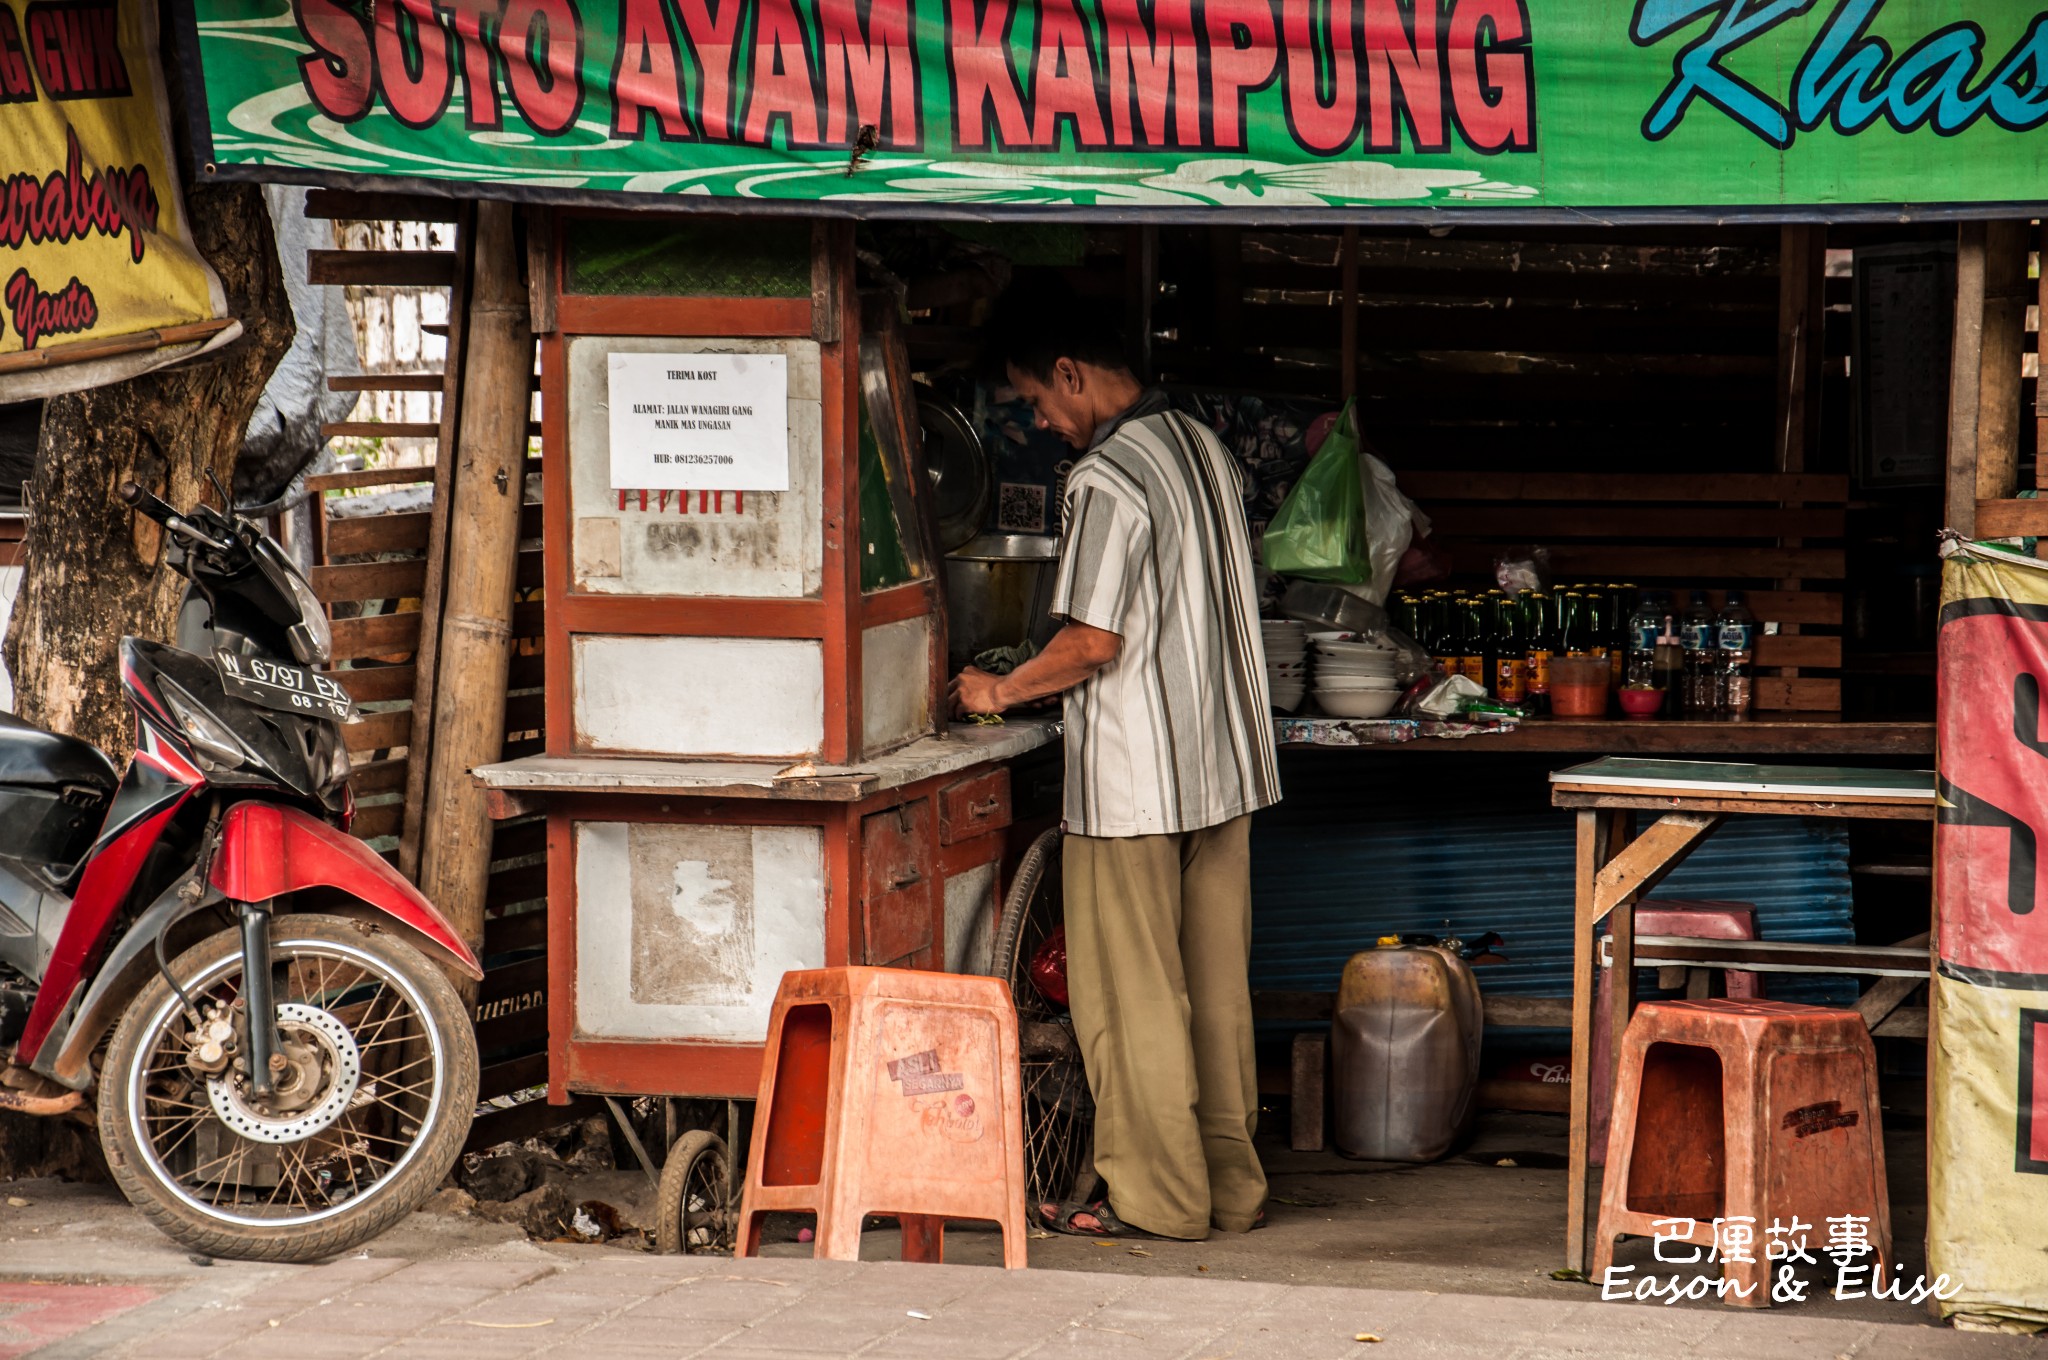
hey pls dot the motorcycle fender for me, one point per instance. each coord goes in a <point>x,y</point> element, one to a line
<point>267,851</point>
<point>67,1058</point>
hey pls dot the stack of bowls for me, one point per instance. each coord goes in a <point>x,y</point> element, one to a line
<point>1354,677</point>
<point>1286,662</point>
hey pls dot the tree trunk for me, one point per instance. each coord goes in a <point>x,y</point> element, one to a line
<point>92,564</point>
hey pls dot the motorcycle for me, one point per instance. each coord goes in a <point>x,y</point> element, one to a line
<point>290,1068</point>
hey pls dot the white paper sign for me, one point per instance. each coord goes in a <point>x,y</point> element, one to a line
<point>699,422</point>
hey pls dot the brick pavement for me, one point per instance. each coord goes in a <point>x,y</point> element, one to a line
<point>630,1308</point>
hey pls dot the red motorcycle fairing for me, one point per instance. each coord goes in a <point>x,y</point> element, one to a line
<point>158,784</point>
<point>267,850</point>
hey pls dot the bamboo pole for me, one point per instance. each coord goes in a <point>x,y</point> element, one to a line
<point>433,594</point>
<point>488,489</point>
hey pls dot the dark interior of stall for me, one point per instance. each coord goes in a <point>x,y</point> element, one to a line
<point>1545,386</point>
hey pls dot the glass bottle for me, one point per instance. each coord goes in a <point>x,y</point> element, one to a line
<point>1510,653</point>
<point>1539,634</point>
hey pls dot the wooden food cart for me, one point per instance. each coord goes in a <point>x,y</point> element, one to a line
<point>748,768</point>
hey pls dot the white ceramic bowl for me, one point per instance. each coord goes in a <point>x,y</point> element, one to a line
<point>1355,683</point>
<point>1353,649</point>
<point>1358,704</point>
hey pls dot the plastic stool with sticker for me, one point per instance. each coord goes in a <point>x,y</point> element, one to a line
<point>893,1092</point>
<point>1756,1113</point>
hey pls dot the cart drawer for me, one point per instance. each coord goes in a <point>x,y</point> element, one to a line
<point>974,807</point>
<point>900,870</point>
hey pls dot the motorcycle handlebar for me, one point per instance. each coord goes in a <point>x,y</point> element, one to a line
<point>156,508</point>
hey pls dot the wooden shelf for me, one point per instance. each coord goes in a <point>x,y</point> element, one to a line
<point>1809,735</point>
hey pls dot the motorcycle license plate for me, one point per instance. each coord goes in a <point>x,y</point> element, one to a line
<point>283,687</point>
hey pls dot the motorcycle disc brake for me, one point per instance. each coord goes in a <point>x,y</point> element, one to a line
<point>343,1064</point>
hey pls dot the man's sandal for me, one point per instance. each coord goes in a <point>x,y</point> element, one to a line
<point>1061,1219</point>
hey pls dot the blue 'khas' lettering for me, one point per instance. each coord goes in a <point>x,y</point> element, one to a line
<point>1847,77</point>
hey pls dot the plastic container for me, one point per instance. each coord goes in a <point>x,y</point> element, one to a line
<point>1640,703</point>
<point>1578,686</point>
<point>1404,1053</point>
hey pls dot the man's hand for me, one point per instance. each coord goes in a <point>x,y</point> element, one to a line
<point>976,691</point>
<point>1075,653</point>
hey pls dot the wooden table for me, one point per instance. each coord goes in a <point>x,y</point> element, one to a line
<point>1617,867</point>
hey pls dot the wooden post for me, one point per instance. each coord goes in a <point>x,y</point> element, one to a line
<point>1347,310</point>
<point>1802,342</point>
<point>2040,368</point>
<point>1802,272</point>
<point>2000,356</point>
<point>1595,848</point>
<point>488,491</point>
<point>1965,357</point>
<point>1984,373</point>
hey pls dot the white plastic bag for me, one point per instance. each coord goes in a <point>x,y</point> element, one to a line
<point>1392,522</point>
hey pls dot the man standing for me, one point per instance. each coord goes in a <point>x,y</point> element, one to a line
<point>1169,746</point>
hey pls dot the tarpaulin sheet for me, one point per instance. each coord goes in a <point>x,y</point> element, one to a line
<point>1988,1150</point>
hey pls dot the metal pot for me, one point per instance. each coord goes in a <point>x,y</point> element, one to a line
<point>998,593</point>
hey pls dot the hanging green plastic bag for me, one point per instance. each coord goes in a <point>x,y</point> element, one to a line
<point>1318,534</point>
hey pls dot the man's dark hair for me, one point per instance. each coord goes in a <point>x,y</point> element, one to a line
<point>1040,321</point>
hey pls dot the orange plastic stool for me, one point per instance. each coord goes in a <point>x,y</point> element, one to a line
<point>889,1091</point>
<point>1734,1109</point>
<point>1693,921</point>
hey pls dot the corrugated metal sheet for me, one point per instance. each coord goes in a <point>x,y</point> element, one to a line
<point>1324,887</point>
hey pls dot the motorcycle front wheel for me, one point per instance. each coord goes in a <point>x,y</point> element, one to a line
<point>374,1094</point>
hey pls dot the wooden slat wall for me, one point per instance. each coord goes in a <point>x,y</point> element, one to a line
<point>1611,395</point>
<point>370,571</point>
<point>1592,351</point>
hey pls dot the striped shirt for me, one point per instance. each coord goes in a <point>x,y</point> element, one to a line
<point>1176,734</point>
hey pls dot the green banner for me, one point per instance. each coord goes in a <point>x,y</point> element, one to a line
<point>1146,107</point>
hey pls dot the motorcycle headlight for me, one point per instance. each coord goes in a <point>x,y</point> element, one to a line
<point>209,736</point>
<point>311,638</point>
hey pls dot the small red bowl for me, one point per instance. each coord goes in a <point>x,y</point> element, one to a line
<point>1640,703</point>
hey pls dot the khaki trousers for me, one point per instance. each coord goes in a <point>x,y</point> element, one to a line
<point>1158,939</point>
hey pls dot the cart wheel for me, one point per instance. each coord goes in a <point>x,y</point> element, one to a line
<point>696,1213</point>
<point>1059,1115</point>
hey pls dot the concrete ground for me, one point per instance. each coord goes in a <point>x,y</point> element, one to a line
<point>637,1308</point>
<point>1420,1255</point>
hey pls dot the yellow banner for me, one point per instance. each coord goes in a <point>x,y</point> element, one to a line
<point>99,279</point>
<point>1987,1185</point>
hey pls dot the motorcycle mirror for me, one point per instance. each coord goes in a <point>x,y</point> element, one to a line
<point>227,501</point>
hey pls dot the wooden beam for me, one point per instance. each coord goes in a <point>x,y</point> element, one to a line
<point>1650,858</point>
<point>2041,368</point>
<point>2003,345</point>
<point>353,206</point>
<point>382,268</point>
<point>2012,519</point>
<point>1802,272</point>
<point>1966,354</point>
<point>1347,301</point>
<point>1594,831</point>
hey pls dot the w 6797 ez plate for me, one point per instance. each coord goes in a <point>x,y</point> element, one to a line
<point>284,687</point>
